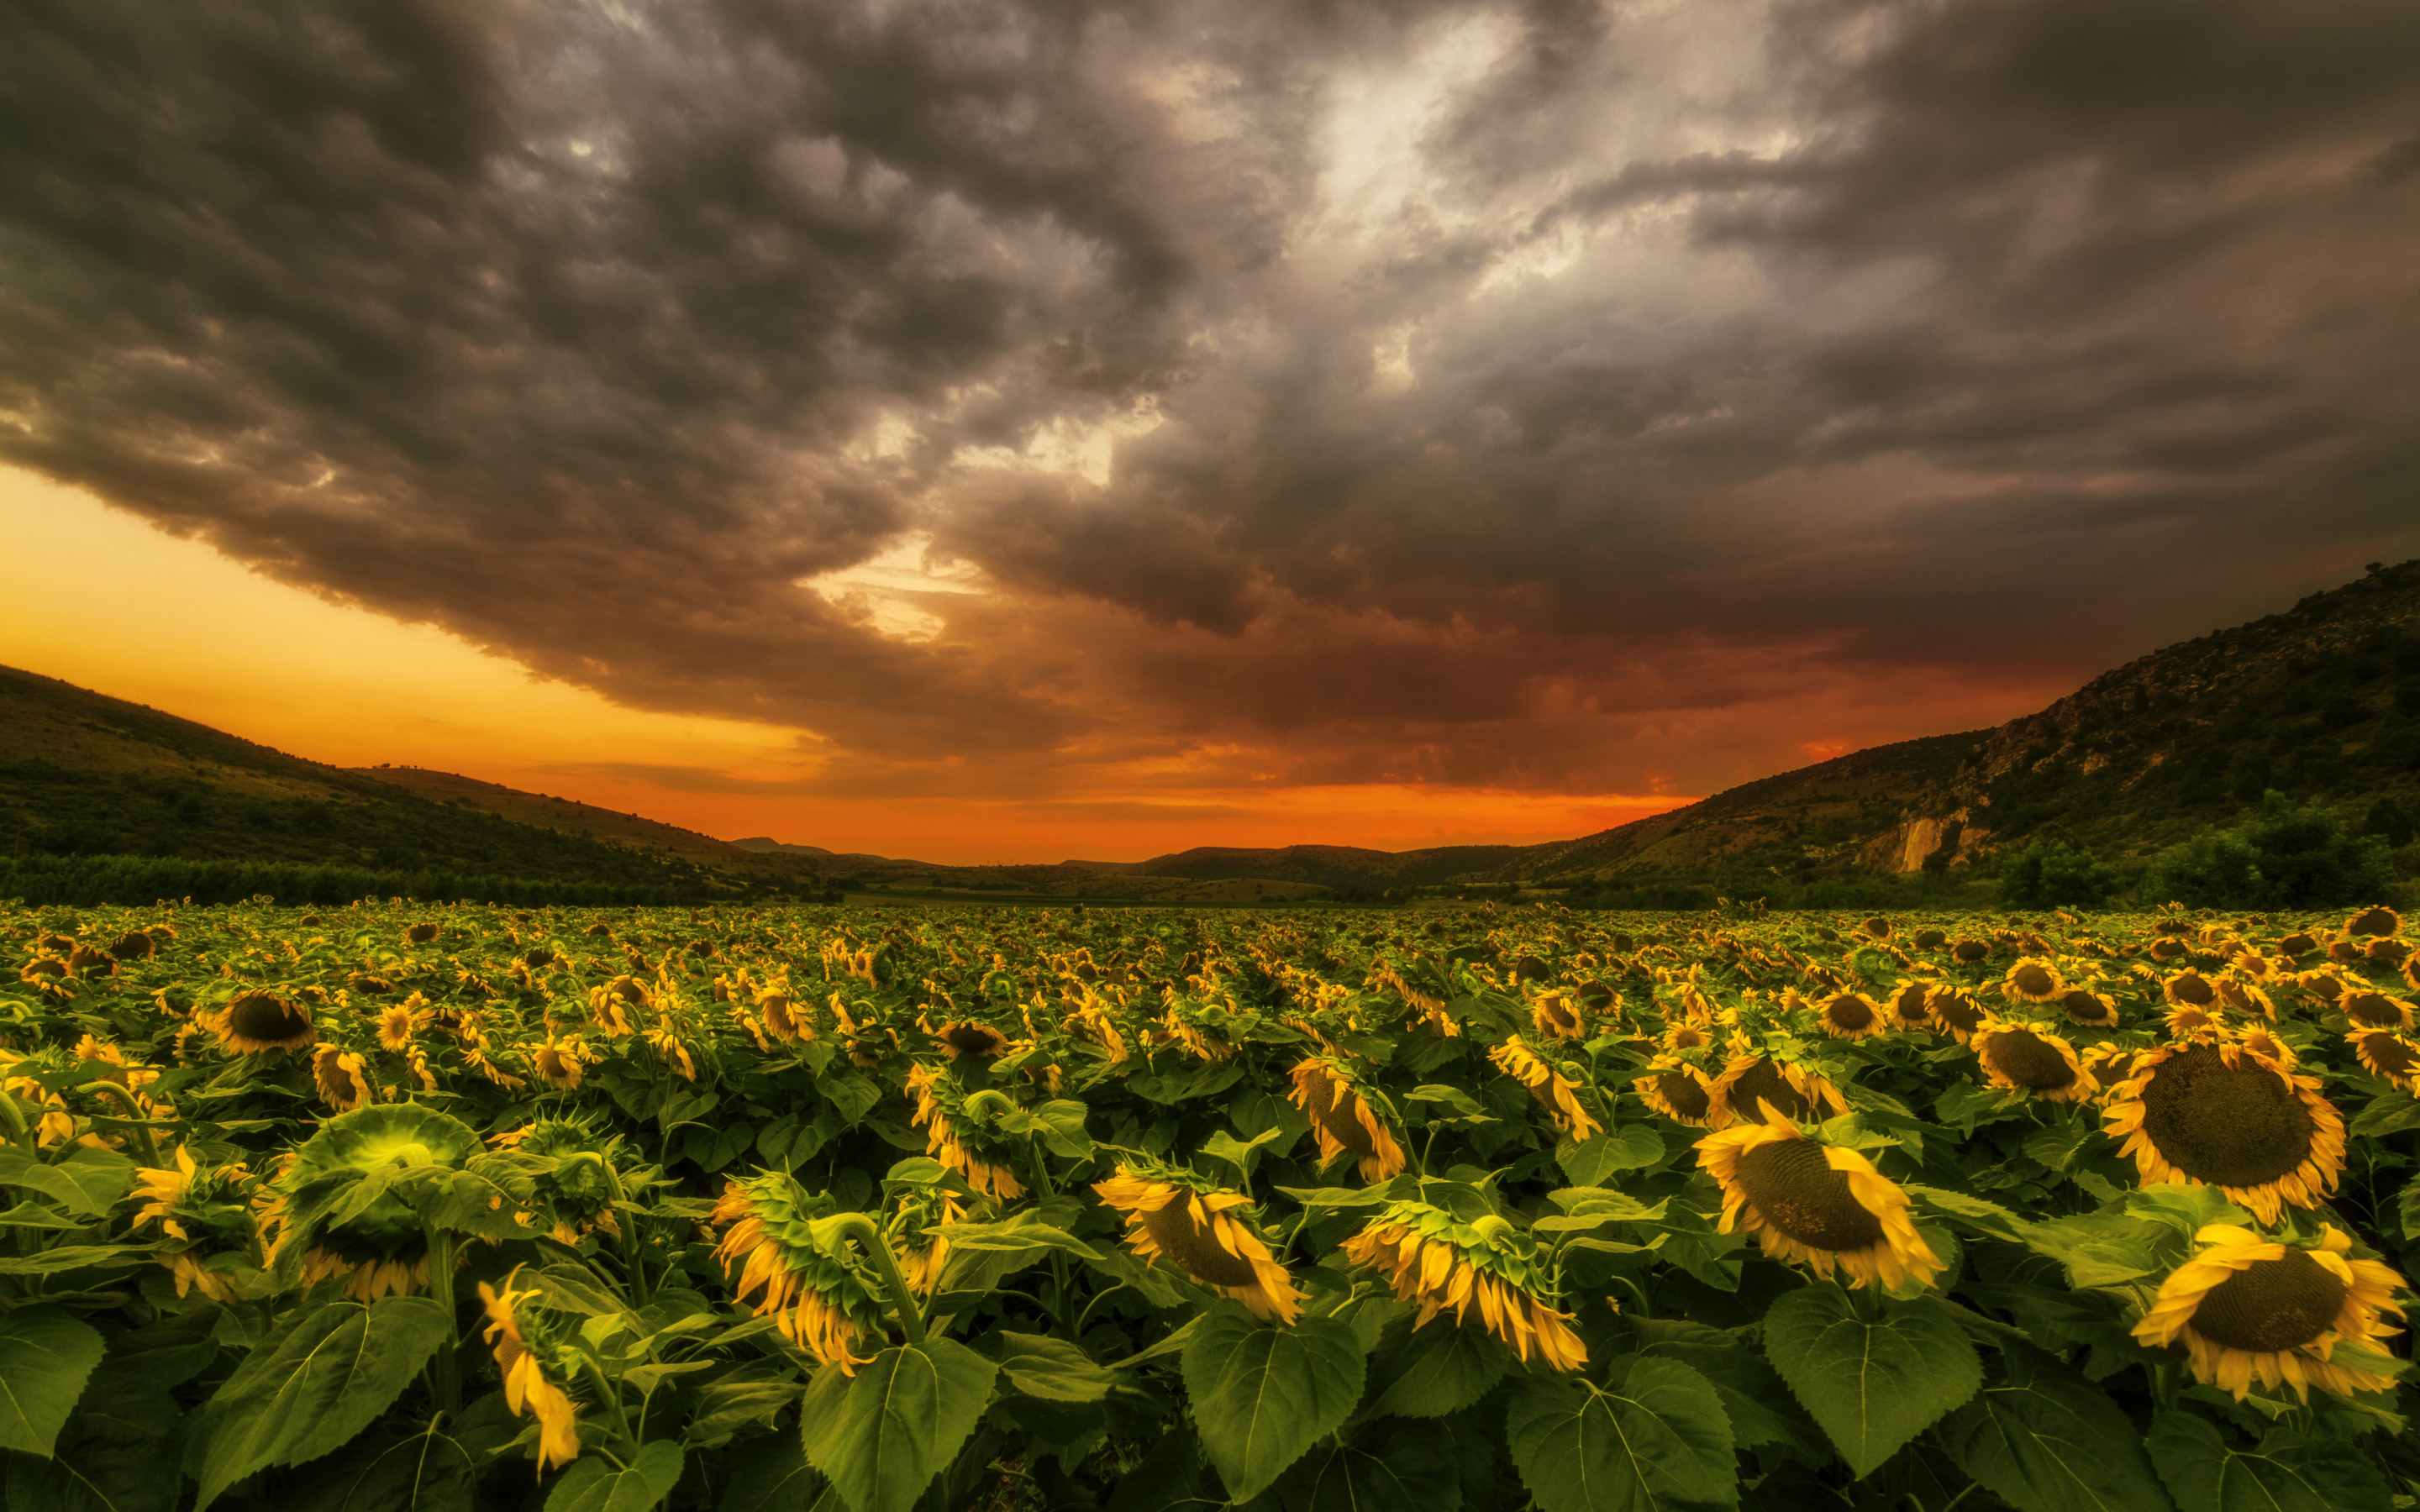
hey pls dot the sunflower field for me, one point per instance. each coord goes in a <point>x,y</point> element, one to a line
<point>404,1205</point>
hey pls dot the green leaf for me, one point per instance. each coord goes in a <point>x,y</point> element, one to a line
<point>1986,1217</point>
<point>1405,1472</point>
<point>1440,1368</point>
<point>2100,1251</point>
<point>330,1377</point>
<point>71,1257</point>
<point>571,1287</point>
<point>1240,1153</point>
<point>33,1215</point>
<point>1014,1235</point>
<point>883,1435</point>
<point>2408,1209</point>
<point>2206,1474</point>
<point>1872,1382</point>
<point>1653,1437</point>
<point>2049,1441</point>
<point>593,1485</point>
<point>1038,1364</point>
<point>429,1471</point>
<point>45,1356</point>
<point>1632,1148</point>
<point>19,1170</point>
<point>1262,1393</point>
<point>772,1475</point>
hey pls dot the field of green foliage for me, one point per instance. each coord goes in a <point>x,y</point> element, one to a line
<point>405,1206</point>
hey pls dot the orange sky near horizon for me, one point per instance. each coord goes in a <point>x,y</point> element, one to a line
<point>136,613</point>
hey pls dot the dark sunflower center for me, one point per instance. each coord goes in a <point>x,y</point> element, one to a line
<point>2027,1060</point>
<point>1339,1121</point>
<point>1930,939</point>
<point>2391,1056</point>
<point>2373,921</point>
<point>260,1016</point>
<point>2297,945</point>
<point>1684,1093</point>
<point>1850,1011</point>
<point>2231,1126</point>
<point>1970,951</point>
<point>2271,1304</point>
<point>2374,1010</point>
<point>1957,1012</point>
<point>2191,987</point>
<point>1793,1189</point>
<point>1194,1247</point>
<point>2033,982</point>
<point>1765,1081</point>
<point>1909,1005</point>
<point>2085,1008</point>
<point>973,1039</point>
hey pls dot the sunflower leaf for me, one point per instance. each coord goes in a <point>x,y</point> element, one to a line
<point>2206,1474</point>
<point>1633,1146</point>
<point>1654,1436</point>
<point>50,1354</point>
<point>1432,1371</point>
<point>2049,1441</point>
<point>1262,1395</point>
<point>1872,1382</point>
<point>881,1436</point>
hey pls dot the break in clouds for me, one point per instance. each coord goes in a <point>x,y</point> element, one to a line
<point>1548,395</point>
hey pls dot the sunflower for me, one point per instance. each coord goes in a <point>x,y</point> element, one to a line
<point>2389,1054</point>
<point>398,1022</point>
<point>2094,1010</point>
<point>1443,1261</point>
<point>579,1191</point>
<point>1678,1090</point>
<point>2255,1310</point>
<point>1907,1008</point>
<point>2379,922</point>
<point>254,1022</point>
<point>198,1207</point>
<point>1172,1214</point>
<point>382,1249</point>
<point>2031,981</point>
<point>955,1038</point>
<point>1814,1202</point>
<point>820,1301</point>
<point>2022,1059</point>
<point>525,1382</point>
<point>1752,1086</point>
<point>2218,1114</point>
<point>2376,1010</point>
<point>1970,952</point>
<point>1554,1092</point>
<point>2243,996</point>
<point>1850,1016</point>
<point>2197,1026</point>
<point>1343,1119</point>
<point>1557,1015</point>
<point>950,1135</point>
<point>2189,989</point>
<point>1954,1014</point>
<point>1686,1035</point>
<point>342,1077</point>
<point>781,1016</point>
<point>918,1207</point>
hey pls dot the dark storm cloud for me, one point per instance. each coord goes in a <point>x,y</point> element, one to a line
<point>1545,394</point>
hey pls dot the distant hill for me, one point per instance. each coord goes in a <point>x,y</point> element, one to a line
<point>766,843</point>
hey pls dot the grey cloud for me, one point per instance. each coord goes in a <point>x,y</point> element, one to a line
<point>1741,352</point>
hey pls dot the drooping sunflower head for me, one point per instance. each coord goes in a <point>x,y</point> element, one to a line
<point>1954,1014</point>
<point>342,1077</point>
<point>2373,923</point>
<point>2249,1309</point>
<point>1819,1204</point>
<point>920,1194</point>
<point>967,1038</point>
<point>254,1022</point>
<point>2219,1115</point>
<point>784,1017</point>
<point>382,1248</point>
<point>1970,952</point>
<point>958,1138</point>
<point>203,1211</point>
<point>1468,1259</point>
<point>1850,1016</point>
<point>1344,1117</point>
<point>1558,1093</point>
<point>1175,1216</point>
<point>514,1324</point>
<point>1678,1090</point>
<point>2389,1054</point>
<point>578,1188</point>
<point>2025,1058</point>
<point>821,1301</point>
<point>2096,1010</point>
<point>1752,1084</point>
<point>2032,980</point>
<point>1557,1015</point>
<point>2367,1009</point>
<point>1907,1008</point>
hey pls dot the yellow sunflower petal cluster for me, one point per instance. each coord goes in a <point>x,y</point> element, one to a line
<point>525,1382</point>
<point>818,1301</point>
<point>1171,1216</point>
<point>1752,1084</point>
<point>1343,1119</point>
<point>941,1114</point>
<point>1447,1264</point>
<point>1809,1201</point>
<point>1678,1090</point>
<point>2252,1309</point>
<point>1554,1092</point>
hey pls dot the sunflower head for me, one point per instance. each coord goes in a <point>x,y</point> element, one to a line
<point>1850,1016</point>
<point>202,1210</point>
<point>1678,1090</point>
<point>2032,981</point>
<point>965,1038</point>
<point>1752,1087</point>
<point>1970,952</point>
<point>2376,1010</point>
<point>1558,1093</point>
<point>1344,1117</point>
<point>1907,1008</point>
<point>820,1298</point>
<point>2388,1053</point>
<point>2025,1058</point>
<point>1175,1216</point>
<point>514,1325</point>
<point>2189,989</point>
<point>2370,923</point>
<point>2096,1010</point>
<point>1954,1014</point>
<point>920,1196</point>
<point>578,1185</point>
<point>1557,1015</point>
<point>254,1022</point>
<point>2251,1308</point>
<point>342,1077</point>
<point>958,1138</point>
<point>1463,1258</point>
<point>1686,1035</point>
<point>384,1247</point>
<point>2221,1115</point>
<point>1817,1203</point>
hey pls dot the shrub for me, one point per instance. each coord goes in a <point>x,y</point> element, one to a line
<point>2050,873</point>
<point>2287,856</point>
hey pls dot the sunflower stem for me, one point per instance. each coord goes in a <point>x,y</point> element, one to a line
<point>445,1383</point>
<point>859,1226</point>
<point>17,1132</point>
<point>125,1098</point>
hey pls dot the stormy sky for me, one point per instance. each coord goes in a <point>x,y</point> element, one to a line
<point>1055,400</point>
